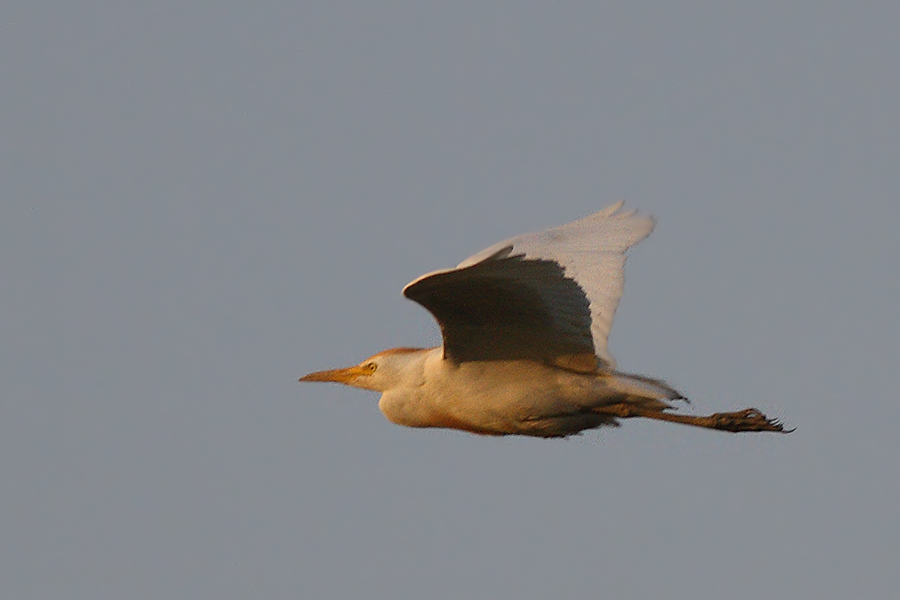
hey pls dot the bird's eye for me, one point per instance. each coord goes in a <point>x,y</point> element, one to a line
<point>370,367</point>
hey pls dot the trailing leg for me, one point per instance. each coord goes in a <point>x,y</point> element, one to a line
<point>749,419</point>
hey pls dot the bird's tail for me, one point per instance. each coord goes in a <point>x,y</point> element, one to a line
<point>645,391</point>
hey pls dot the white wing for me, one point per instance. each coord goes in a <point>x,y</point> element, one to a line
<point>541,294</point>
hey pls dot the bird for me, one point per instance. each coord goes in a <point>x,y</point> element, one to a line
<point>525,324</point>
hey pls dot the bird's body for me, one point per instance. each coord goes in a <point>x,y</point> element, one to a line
<point>525,325</point>
<point>535,398</point>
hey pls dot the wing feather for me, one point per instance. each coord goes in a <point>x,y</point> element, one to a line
<point>540,295</point>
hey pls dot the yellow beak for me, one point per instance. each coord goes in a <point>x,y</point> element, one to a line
<point>337,375</point>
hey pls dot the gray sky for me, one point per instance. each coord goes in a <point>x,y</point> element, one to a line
<point>202,201</point>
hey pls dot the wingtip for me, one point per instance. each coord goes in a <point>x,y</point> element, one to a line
<point>611,209</point>
<point>615,210</point>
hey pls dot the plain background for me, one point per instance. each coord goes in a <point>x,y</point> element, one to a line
<point>202,201</point>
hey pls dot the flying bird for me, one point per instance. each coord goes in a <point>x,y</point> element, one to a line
<point>525,326</point>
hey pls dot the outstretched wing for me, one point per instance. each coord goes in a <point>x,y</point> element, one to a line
<point>541,295</point>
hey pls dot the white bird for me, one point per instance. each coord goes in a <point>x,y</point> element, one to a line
<point>525,326</point>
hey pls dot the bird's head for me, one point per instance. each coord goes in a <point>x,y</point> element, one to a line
<point>379,373</point>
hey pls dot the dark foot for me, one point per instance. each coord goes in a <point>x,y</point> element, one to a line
<point>746,420</point>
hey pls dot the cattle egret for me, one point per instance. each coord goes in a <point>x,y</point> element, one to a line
<point>524,325</point>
